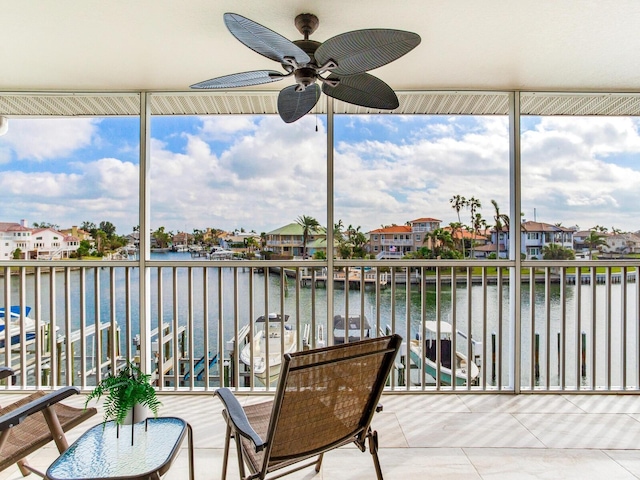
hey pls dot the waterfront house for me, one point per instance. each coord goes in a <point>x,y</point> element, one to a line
<point>35,243</point>
<point>579,238</point>
<point>621,243</point>
<point>181,240</point>
<point>534,237</point>
<point>14,236</point>
<point>80,234</point>
<point>395,241</point>
<point>287,241</point>
<point>537,235</point>
<point>50,244</point>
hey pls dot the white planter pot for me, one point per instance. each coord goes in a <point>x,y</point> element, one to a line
<point>138,414</point>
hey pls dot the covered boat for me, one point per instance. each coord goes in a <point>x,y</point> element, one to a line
<point>427,350</point>
<point>356,328</point>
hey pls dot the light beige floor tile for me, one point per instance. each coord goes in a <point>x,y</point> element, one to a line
<point>465,430</point>
<point>427,402</point>
<point>399,464</point>
<point>519,403</point>
<point>390,434</point>
<point>606,403</point>
<point>545,464</point>
<point>608,431</point>
<point>629,459</point>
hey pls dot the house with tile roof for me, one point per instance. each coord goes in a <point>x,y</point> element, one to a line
<point>395,241</point>
<point>32,243</point>
<point>14,236</point>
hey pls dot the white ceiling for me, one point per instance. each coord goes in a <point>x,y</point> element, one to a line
<point>467,45</point>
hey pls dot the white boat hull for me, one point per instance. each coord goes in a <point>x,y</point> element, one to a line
<point>14,327</point>
<point>462,373</point>
<point>259,366</point>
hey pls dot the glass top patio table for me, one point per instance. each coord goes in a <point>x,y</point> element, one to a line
<point>102,453</point>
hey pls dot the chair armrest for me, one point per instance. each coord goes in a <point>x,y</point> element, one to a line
<point>18,415</point>
<point>238,417</point>
<point>5,372</point>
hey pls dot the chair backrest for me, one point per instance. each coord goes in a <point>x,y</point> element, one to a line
<point>327,397</point>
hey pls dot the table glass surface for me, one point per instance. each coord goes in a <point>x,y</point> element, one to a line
<point>99,453</point>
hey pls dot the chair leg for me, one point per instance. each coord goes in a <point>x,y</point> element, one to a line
<point>225,458</point>
<point>23,466</point>
<point>240,460</point>
<point>319,462</point>
<point>373,448</point>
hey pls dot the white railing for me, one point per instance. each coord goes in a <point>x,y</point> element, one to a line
<point>547,328</point>
<point>403,242</point>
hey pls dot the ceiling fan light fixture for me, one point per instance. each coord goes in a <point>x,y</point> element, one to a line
<point>4,125</point>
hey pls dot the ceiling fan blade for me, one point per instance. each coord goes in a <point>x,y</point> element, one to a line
<point>293,105</point>
<point>244,79</point>
<point>362,50</point>
<point>262,40</point>
<point>364,90</point>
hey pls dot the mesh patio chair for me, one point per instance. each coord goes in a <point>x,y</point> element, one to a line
<point>30,423</point>
<point>326,398</point>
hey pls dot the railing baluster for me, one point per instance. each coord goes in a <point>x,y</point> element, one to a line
<point>578,323</point>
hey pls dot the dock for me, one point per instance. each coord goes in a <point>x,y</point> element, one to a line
<point>354,280</point>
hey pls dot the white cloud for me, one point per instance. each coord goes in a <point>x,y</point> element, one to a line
<point>572,172</point>
<point>105,189</point>
<point>46,139</point>
<point>226,127</point>
<point>261,181</point>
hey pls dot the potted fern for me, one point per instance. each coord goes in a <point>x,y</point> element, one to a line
<point>123,392</point>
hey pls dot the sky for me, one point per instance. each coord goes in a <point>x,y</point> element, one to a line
<point>257,173</point>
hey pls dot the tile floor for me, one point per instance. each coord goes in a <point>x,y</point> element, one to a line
<point>476,436</point>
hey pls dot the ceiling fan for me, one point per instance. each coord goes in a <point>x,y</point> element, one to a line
<point>339,64</point>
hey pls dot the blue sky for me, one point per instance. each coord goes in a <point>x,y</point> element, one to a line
<point>257,173</point>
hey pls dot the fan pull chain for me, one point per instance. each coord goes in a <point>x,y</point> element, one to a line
<point>317,98</point>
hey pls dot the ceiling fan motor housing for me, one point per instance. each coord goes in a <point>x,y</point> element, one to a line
<point>305,76</point>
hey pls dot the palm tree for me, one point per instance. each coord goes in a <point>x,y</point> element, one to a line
<point>594,241</point>
<point>553,251</point>
<point>478,223</point>
<point>309,225</point>
<point>474,204</point>
<point>359,240</point>
<point>501,221</point>
<point>441,241</point>
<point>458,202</point>
<point>252,243</point>
<point>337,231</point>
<point>455,228</point>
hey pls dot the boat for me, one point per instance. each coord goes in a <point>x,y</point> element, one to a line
<point>427,350</point>
<point>14,325</point>
<point>358,328</point>
<point>277,335</point>
<point>219,253</point>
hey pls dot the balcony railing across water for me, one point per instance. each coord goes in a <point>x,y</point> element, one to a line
<point>553,326</point>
